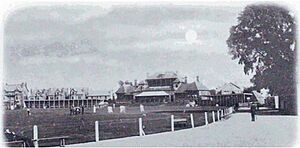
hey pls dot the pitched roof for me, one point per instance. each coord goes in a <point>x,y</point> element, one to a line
<point>128,89</point>
<point>200,86</point>
<point>121,90</point>
<point>98,93</point>
<point>176,81</point>
<point>12,87</point>
<point>229,87</point>
<point>51,91</point>
<point>186,86</point>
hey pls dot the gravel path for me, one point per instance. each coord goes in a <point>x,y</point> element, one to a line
<point>236,131</point>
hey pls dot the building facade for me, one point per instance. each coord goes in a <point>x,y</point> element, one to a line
<point>14,95</point>
<point>169,87</point>
<point>54,97</point>
<point>160,88</point>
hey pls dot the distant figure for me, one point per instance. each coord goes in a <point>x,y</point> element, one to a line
<point>71,110</point>
<point>28,112</point>
<point>122,109</point>
<point>82,109</point>
<point>94,108</point>
<point>187,105</point>
<point>109,109</point>
<point>236,106</point>
<point>114,105</point>
<point>192,103</point>
<point>77,110</point>
<point>142,109</point>
<point>253,107</point>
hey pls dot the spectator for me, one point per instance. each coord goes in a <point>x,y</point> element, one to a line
<point>253,107</point>
<point>236,106</point>
<point>71,110</point>
<point>28,111</point>
<point>82,108</point>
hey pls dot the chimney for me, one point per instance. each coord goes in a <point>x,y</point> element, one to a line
<point>135,82</point>
<point>197,78</point>
<point>185,79</point>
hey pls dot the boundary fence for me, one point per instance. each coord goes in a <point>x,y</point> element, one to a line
<point>110,129</point>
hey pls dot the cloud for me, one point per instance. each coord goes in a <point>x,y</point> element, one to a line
<point>92,13</point>
<point>96,46</point>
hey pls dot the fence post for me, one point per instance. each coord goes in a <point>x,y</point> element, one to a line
<point>96,131</point>
<point>35,136</point>
<point>218,115</point>
<point>222,113</point>
<point>213,116</point>
<point>206,120</point>
<point>172,123</point>
<point>192,120</point>
<point>141,130</point>
<point>62,142</point>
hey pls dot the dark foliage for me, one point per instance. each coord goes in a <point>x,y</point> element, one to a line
<point>264,42</point>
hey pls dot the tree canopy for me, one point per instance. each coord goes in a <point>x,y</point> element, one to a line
<point>264,42</point>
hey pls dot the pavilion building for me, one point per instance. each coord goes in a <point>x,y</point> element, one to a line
<point>160,88</point>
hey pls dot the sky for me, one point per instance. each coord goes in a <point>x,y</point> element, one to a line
<point>94,46</point>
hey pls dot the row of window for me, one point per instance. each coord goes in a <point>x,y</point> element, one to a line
<point>72,97</point>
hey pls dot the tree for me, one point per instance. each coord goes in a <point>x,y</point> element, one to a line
<point>264,42</point>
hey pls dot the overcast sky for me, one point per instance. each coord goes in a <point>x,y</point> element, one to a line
<point>93,46</point>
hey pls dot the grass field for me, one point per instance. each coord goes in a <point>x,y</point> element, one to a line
<point>80,128</point>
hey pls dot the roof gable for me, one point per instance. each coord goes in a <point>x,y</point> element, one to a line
<point>201,86</point>
<point>230,87</point>
<point>121,90</point>
<point>186,87</point>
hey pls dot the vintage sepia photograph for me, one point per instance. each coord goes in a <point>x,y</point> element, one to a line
<point>141,74</point>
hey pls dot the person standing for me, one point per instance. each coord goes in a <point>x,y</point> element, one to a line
<point>82,109</point>
<point>236,107</point>
<point>28,112</point>
<point>253,108</point>
<point>71,110</point>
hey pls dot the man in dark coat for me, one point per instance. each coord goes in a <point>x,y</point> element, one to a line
<point>253,108</point>
<point>236,107</point>
<point>82,109</point>
<point>71,110</point>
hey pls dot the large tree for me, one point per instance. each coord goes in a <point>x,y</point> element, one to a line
<point>264,42</point>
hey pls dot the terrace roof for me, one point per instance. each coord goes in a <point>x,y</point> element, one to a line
<point>152,93</point>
